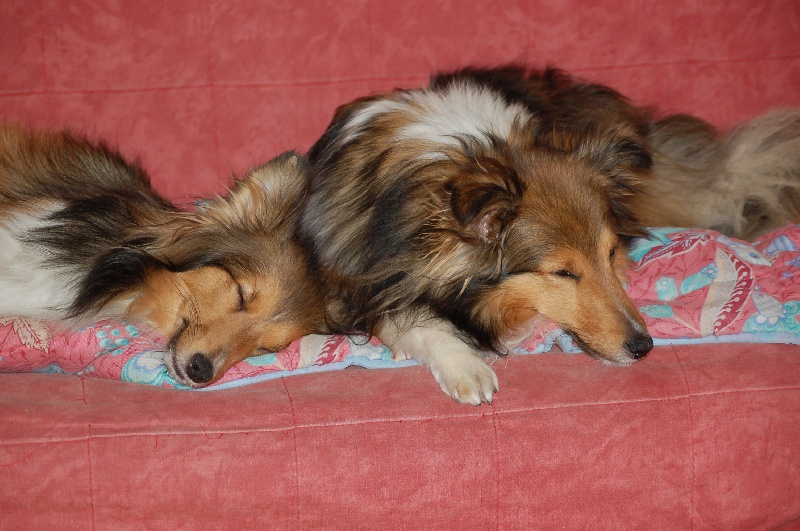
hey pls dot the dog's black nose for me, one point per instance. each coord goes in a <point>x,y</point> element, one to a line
<point>639,346</point>
<point>200,369</point>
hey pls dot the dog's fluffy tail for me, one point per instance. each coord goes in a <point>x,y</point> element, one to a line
<point>742,183</point>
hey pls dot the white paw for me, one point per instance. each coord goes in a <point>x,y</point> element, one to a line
<point>456,366</point>
<point>467,379</point>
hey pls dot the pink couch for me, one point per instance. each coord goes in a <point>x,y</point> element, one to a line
<point>703,436</point>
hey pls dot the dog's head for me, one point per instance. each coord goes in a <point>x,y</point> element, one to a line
<point>214,316</point>
<point>223,283</point>
<point>556,216</point>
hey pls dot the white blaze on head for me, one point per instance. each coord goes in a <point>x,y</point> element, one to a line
<point>461,109</point>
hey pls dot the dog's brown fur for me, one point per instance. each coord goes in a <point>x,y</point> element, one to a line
<point>222,283</point>
<point>742,183</point>
<point>443,218</point>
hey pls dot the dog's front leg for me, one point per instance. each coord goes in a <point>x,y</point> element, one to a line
<point>460,371</point>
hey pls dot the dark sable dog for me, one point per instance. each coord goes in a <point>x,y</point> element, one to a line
<point>444,218</point>
<point>83,237</point>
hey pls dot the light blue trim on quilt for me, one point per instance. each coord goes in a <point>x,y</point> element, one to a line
<point>350,361</point>
<point>366,363</point>
<point>785,338</point>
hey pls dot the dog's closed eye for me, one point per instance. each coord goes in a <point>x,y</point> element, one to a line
<point>565,273</point>
<point>240,292</point>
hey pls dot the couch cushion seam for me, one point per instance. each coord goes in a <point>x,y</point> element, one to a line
<point>428,418</point>
<point>693,449</point>
<point>295,455</point>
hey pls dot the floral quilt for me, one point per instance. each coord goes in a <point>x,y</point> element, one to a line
<point>691,286</point>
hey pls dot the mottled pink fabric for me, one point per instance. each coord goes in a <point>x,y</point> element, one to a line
<point>198,90</point>
<point>693,437</point>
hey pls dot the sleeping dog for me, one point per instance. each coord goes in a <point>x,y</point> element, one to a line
<point>83,237</point>
<point>441,219</point>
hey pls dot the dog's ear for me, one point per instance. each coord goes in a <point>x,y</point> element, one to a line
<point>116,272</point>
<point>481,209</point>
<point>625,161</point>
<point>484,201</point>
<point>265,196</point>
<point>618,156</point>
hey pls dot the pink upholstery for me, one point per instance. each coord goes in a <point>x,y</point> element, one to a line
<point>695,437</point>
<point>692,437</point>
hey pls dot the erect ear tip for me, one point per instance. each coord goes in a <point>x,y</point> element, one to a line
<point>292,160</point>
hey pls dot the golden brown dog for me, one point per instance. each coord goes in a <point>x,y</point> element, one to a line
<point>83,237</point>
<point>443,218</point>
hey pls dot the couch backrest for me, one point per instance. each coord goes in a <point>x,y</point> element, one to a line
<point>199,90</point>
